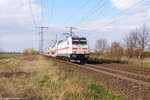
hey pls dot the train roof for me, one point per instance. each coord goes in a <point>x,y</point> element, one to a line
<point>75,37</point>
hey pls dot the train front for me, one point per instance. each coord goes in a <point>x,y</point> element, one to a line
<point>80,50</point>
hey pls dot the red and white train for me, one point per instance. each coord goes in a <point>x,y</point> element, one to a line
<point>73,49</point>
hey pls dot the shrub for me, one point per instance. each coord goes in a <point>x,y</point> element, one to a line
<point>29,51</point>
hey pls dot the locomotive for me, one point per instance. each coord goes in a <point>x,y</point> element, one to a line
<point>74,48</point>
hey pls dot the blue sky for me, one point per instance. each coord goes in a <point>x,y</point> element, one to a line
<point>17,30</point>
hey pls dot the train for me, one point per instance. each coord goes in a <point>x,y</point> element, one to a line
<point>73,48</point>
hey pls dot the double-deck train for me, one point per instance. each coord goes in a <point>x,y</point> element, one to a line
<point>74,48</point>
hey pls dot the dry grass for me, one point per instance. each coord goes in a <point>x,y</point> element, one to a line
<point>35,78</point>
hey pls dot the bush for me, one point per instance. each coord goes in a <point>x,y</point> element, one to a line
<point>145,54</point>
<point>29,51</point>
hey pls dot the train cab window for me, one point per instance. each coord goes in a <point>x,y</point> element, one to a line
<point>81,41</point>
<point>68,42</point>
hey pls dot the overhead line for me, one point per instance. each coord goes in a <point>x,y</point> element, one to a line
<point>124,18</point>
<point>94,7</point>
<point>126,9</point>
<point>43,8</point>
<point>107,10</point>
<point>76,11</point>
<point>52,9</point>
<point>93,11</point>
<point>32,13</point>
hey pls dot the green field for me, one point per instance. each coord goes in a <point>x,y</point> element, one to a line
<point>139,64</point>
<point>5,56</point>
<point>98,60</point>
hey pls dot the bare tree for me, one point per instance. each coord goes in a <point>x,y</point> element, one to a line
<point>137,41</point>
<point>131,43</point>
<point>143,39</point>
<point>101,45</point>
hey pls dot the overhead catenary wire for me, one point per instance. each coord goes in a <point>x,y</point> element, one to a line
<point>34,21</point>
<point>43,9</point>
<point>51,12</point>
<point>122,11</point>
<point>108,10</point>
<point>135,5</point>
<point>92,12</point>
<point>97,4</point>
<point>76,12</point>
<point>129,8</point>
<point>122,18</point>
<point>125,17</point>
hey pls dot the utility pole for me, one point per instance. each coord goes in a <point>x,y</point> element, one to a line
<point>71,30</point>
<point>56,38</point>
<point>41,28</point>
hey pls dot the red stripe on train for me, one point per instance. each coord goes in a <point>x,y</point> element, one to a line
<point>75,48</point>
<point>59,49</point>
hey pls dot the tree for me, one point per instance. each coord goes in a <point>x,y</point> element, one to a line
<point>116,50</point>
<point>143,39</point>
<point>131,43</point>
<point>101,45</point>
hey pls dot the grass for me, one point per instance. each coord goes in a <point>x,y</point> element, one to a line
<point>135,63</point>
<point>42,79</point>
<point>5,56</point>
<point>98,60</point>
<point>144,64</point>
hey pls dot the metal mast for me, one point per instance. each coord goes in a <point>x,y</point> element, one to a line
<point>71,30</point>
<point>41,28</point>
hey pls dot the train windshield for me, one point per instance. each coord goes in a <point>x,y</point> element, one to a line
<point>79,41</point>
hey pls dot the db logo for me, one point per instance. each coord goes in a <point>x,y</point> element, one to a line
<point>79,48</point>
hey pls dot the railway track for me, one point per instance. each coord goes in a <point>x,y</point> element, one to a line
<point>140,77</point>
<point>129,68</point>
<point>130,84</point>
<point>136,79</point>
<point>119,75</point>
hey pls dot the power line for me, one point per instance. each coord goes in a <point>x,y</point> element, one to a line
<point>124,17</point>
<point>85,3</point>
<point>126,10</point>
<point>108,10</point>
<point>32,12</point>
<point>94,11</point>
<point>43,9</point>
<point>52,9</point>
<point>97,4</point>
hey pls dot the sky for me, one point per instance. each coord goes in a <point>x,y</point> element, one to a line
<point>94,19</point>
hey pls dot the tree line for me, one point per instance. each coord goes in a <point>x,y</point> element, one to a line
<point>134,45</point>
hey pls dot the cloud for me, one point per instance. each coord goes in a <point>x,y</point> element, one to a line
<point>125,4</point>
<point>16,24</point>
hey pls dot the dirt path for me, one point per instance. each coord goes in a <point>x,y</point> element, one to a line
<point>6,60</point>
